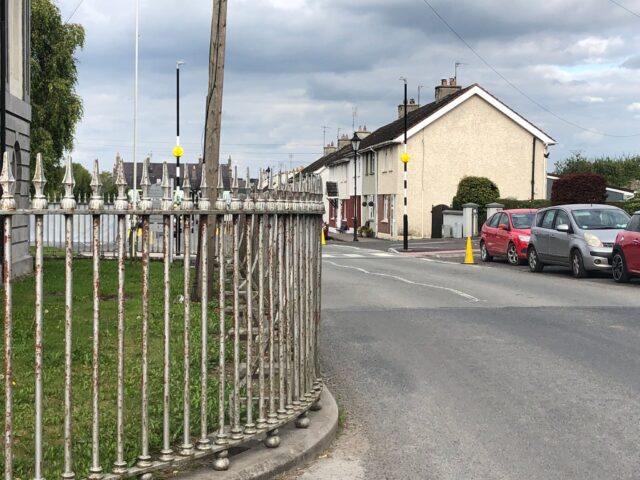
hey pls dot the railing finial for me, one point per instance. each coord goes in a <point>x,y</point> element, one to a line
<point>204,203</point>
<point>97,201</point>
<point>121,202</point>
<point>39,201</point>
<point>8,201</point>
<point>167,201</point>
<point>220,185</point>
<point>187,203</point>
<point>145,200</point>
<point>69,200</point>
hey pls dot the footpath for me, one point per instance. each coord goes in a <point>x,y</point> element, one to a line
<point>439,248</point>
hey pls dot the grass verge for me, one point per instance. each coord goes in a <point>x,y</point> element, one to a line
<point>53,351</point>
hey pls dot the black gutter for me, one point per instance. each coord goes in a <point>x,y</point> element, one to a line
<point>3,76</point>
<point>533,170</point>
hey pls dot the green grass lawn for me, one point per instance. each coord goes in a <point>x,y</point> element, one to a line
<point>23,359</point>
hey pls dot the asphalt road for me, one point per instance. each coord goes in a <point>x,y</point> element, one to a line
<point>478,372</point>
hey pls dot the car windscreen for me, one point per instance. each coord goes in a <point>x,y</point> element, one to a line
<point>522,220</point>
<point>600,219</point>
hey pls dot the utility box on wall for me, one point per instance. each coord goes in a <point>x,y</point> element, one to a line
<point>15,116</point>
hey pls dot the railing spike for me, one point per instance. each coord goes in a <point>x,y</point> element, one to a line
<point>8,182</point>
<point>121,202</point>
<point>187,203</point>
<point>145,200</point>
<point>204,203</point>
<point>68,200</point>
<point>167,202</point>
<point>97,201</point>
<point>39,201</point>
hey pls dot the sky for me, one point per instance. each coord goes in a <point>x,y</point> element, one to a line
<point>296,66</point>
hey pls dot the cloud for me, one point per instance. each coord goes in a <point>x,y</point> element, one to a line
<point>294,66</point>
<point>634,107</point>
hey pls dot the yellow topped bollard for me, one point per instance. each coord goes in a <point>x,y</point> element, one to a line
<point>324,241</point>
<point>468,258</point>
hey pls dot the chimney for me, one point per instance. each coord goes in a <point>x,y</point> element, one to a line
<point>446,88</point>
<point>411,107</point>
<point>329,149</point>
<point>344,141</point>
<point>363,132</point>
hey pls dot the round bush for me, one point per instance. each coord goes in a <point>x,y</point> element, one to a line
<point>478,190</point>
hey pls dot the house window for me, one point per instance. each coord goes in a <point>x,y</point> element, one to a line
<point>373,163</point>
<point>16,48</point>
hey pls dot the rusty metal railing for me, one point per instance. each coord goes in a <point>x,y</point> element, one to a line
<point>267,289</point>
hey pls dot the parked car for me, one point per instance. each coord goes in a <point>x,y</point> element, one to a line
<point>577,236</point>
<point>626,251</point>
<point>506,234</point>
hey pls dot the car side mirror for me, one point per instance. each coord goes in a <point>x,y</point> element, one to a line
<point>563,228</point>
<point>503,226</point>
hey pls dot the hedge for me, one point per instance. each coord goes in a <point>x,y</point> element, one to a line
<point>579,188</point>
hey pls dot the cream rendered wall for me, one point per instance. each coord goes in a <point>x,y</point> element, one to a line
<point>473,139</point>
<point>388,168</point>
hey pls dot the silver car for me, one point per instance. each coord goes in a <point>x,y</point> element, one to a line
<point>577,236</point>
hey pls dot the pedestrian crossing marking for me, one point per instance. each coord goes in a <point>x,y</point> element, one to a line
<point>363,254</point>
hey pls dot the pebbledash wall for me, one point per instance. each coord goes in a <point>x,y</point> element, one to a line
<point>476,139</point>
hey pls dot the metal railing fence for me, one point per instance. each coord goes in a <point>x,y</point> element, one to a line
<point>267,303</point>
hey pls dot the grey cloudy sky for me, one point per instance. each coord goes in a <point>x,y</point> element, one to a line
<point>294,66</point>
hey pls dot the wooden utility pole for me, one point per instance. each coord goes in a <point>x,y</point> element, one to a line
<point>214,118</point>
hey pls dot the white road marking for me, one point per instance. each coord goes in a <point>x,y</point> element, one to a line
<point>464,295</point>
<point>352,255</point>
<point>383,255</point>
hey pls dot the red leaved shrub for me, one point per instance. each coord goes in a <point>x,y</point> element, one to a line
<point>579,188</point>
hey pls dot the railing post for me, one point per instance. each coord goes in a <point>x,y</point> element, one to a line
<point>221,461</point>
<point>145,204</point>
<point>96,204</point>
<point>8,204</point>
<point>120,205</point>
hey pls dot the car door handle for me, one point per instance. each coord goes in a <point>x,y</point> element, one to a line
<point>636,242</point>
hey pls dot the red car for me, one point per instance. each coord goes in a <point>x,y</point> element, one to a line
<point>506,234</point>
<point>626,251</point>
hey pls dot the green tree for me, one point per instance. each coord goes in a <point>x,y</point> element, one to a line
<point>478,190</point>
<point>83,180</point>
<point>56,108</point>
<point>108,184</point>
<point>618,171</point>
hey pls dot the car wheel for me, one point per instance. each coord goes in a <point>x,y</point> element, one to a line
<point>484,253</point>
<point>512,255</point>
<point>577,264</point>
<point>535,265</point>
<point>619,269</point>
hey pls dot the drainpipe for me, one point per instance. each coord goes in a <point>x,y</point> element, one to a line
<point>3,77</point>
<point>533,170</point>
<point>375,192</point>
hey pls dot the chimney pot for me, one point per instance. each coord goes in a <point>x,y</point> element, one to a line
<point>443,82</point>
<point>452,82</point>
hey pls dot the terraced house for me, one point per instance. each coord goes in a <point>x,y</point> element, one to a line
<point>463,132</point>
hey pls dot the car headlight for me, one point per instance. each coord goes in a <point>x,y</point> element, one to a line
<point>592,240</point>
<point>524,238</point>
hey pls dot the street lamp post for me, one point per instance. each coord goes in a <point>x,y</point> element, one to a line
<point>355,143</point>
<point>405,160</point>
<point>178,150</point>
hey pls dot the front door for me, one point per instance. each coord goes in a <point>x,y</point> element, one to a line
<point>437,218</point>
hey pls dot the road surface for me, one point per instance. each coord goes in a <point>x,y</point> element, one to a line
<point>478,372</point>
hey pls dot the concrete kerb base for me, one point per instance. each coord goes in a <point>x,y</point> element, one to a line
<point>297,447</point>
